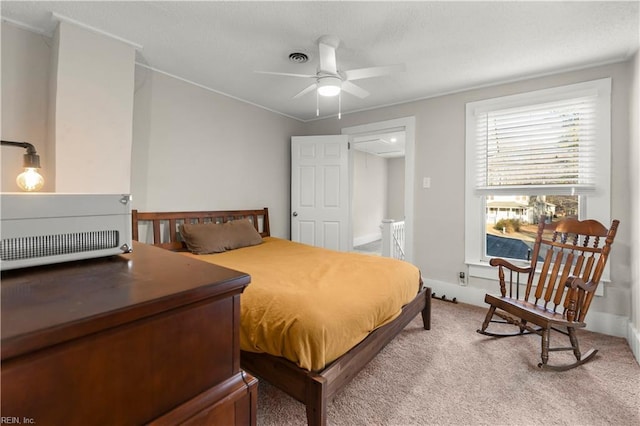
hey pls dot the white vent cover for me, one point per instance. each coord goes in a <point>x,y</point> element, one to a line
<point>40,228</point>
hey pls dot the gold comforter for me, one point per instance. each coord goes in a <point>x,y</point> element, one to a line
<point>311,305</point>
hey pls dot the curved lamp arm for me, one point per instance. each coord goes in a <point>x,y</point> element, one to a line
<point>31,158</point>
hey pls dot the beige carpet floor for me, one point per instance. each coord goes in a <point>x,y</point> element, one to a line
<point>452,375</point>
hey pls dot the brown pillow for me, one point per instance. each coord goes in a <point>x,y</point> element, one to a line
<point>205,238</point>
<point>242,234</point>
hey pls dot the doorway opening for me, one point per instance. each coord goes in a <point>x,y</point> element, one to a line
<point>382,175</point>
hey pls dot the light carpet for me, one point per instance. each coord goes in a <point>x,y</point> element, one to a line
<point>451,375</point>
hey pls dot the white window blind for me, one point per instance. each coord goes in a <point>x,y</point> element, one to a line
<point>553,141</point>
<point>546,147</point>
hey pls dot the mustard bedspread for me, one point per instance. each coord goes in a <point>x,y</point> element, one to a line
<point>311,305</point>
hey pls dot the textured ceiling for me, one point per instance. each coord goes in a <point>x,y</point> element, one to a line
<point>446,46</point>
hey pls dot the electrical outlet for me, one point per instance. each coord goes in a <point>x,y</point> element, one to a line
<point>462,278</point>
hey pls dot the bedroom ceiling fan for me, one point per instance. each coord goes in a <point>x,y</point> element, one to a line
<point>329,80</point>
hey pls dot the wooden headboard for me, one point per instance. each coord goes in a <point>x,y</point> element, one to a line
<point>165,224</point>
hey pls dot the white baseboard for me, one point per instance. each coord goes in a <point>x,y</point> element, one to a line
<point>600,322</point>
<point>613,325</point>
<point>633,337</point>
<point>366,239</point>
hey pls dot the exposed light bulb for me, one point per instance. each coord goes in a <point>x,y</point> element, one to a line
<point>30,180</point>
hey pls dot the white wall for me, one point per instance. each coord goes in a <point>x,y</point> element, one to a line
<point>93,112</point>
<point>71,96</point>
<point>634,166</point>
<point>439,210</point>
<point>395,189</point>
<point>369,197</point>
<point>194,149</point>
<point>25,82</point>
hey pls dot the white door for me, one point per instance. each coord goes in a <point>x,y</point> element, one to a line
<point>320,200</point>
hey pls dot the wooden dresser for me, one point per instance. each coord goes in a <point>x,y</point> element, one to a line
<point>146,337</point>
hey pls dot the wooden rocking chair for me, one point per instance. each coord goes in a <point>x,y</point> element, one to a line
<point>573,259</point>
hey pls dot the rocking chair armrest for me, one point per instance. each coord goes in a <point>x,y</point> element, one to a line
<point>576,296</point>
<point>576,282</point>
<point>497,261</point>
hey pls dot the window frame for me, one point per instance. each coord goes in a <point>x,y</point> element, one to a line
<point>595,205</point>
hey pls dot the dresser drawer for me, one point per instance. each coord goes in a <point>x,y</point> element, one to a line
<point>127,375</point>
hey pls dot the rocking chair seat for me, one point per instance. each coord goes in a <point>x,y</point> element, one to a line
<point>531,312</point>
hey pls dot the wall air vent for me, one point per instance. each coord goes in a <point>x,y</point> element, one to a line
<point>41,228</point>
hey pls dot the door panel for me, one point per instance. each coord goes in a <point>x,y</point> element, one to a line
<point>307,232</point>
<point>332,186</point>
<point>320,201</point>
<point>307,185</point>
<point>331,235</point>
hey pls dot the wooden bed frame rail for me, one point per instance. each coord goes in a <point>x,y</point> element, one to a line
<point>314,389</point>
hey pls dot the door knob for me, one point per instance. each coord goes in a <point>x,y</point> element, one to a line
<point>295,214</point>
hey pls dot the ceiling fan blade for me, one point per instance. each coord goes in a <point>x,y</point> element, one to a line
<point>354,90</point>
<point>288,74</point>
<point>328,59</point>
<point>361,73</point>
<point>305,91</point>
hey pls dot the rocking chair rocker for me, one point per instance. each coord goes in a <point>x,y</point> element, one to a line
<point>573,260</point>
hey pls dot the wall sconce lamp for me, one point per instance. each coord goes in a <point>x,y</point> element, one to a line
<point>30,179</point>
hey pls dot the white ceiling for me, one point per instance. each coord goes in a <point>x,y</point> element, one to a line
<point>446,46</point>
<point>387,144</point>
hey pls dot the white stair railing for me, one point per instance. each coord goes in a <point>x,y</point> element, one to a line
<point>393,238</point>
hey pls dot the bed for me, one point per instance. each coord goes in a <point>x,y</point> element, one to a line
<point>314,379</point>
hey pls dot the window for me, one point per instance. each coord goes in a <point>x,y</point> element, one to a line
<point>544,152</point>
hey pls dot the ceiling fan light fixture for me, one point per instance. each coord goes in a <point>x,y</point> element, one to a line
<point>329,86</point>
